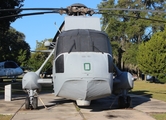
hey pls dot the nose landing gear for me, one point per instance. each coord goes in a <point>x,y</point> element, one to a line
<point>31,102</point>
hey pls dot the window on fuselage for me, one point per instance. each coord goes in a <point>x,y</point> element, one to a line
<point>83,41</point>
<point>10,65</point>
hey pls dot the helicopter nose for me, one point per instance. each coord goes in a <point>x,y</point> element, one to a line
<point>30,81</point>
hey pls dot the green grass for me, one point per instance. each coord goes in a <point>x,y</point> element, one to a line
<point>5,117</point>
<point>159,116</point>
<point>151,90</point>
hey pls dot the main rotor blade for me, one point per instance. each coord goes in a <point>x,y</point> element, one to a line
<point>44,51</point>
<point>57,9</point>
<point>28,14</point>
<point>132,17</point>
<point>124,9</point>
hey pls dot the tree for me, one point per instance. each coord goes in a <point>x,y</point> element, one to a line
<point>129,57</point>
<point>123,28</point>
<point>152,56</point>
<point>126,30</point>
<point>14,47</point>
<point>5,4</point>
<point>37,58</point>
<point>11,40</point>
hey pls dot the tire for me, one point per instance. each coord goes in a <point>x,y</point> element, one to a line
<point>27,103</point>
<point>121,102</point>
<point>128,104</point>
<point>35,103</point>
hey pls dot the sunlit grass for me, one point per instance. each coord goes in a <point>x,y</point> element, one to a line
<point>5,117</point>
<point>152,90</point>
<point>159,116</point>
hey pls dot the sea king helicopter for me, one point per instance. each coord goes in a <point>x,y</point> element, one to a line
<point>83,68</point>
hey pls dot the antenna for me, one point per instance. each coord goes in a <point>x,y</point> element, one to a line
<point>57,27</point>
<point>106,27</point>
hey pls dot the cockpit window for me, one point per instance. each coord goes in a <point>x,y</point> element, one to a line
<point>83,40</point>
<point>10,65</point>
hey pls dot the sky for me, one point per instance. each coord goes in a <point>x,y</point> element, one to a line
<point>41,27</point>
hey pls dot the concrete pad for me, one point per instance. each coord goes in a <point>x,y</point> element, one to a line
<point>101,109</point>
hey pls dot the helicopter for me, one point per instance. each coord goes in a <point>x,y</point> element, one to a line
<point>83,68</point>
<point>10,69</point>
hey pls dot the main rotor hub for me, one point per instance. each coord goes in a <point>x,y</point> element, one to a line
<point>78,9</point>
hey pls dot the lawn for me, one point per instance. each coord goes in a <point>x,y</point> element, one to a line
<point>151,90</point>
<point>5,117</point>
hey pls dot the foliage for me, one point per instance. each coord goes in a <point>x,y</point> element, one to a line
<point>22,58</point>
<point>37,58</point>
<point>129,56</point>
<point>129,31</point>
<point>152,56</point>
<point>11,41</point>
<point>115,47</point>
<point>124,28</point>
<point>15,47</point>
<point>130,53</point>
<point>8,4</point>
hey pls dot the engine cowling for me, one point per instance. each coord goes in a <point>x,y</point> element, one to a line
<point>123,81</point>
<point>30,81</point>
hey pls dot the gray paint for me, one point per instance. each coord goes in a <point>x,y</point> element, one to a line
<point>82,22</point>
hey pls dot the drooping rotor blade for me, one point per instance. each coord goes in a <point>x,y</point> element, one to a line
<point>38,9</point>
<point>133,17</point>
<point>27,14</point>
<point>44,51</point>
<point>124,9</point>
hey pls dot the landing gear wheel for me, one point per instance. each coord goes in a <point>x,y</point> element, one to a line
<point>35,103</point>
<point>121,102</point>
<point>27,103</point>
<point>128,100</point>
<point>124,102</point>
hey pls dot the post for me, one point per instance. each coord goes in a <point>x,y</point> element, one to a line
<point>8,92</point>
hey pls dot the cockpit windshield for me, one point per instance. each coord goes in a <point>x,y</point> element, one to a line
<point>10,64</point>
<point>83,40</point>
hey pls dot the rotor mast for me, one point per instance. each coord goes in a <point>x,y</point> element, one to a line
<point>78,9</point>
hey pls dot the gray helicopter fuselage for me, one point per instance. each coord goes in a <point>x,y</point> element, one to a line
<point>83,66</point>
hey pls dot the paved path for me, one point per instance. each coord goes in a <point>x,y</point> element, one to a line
<point>102,109</point>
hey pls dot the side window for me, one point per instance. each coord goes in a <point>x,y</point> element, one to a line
<point>110,64</point>
<point>10,65</point>
<point>59,64</point>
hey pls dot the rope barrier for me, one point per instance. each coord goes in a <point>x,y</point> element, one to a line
<point>17,111</point>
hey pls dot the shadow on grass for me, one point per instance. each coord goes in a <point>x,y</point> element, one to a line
<point>142,93</point>
<point>140,97</point>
